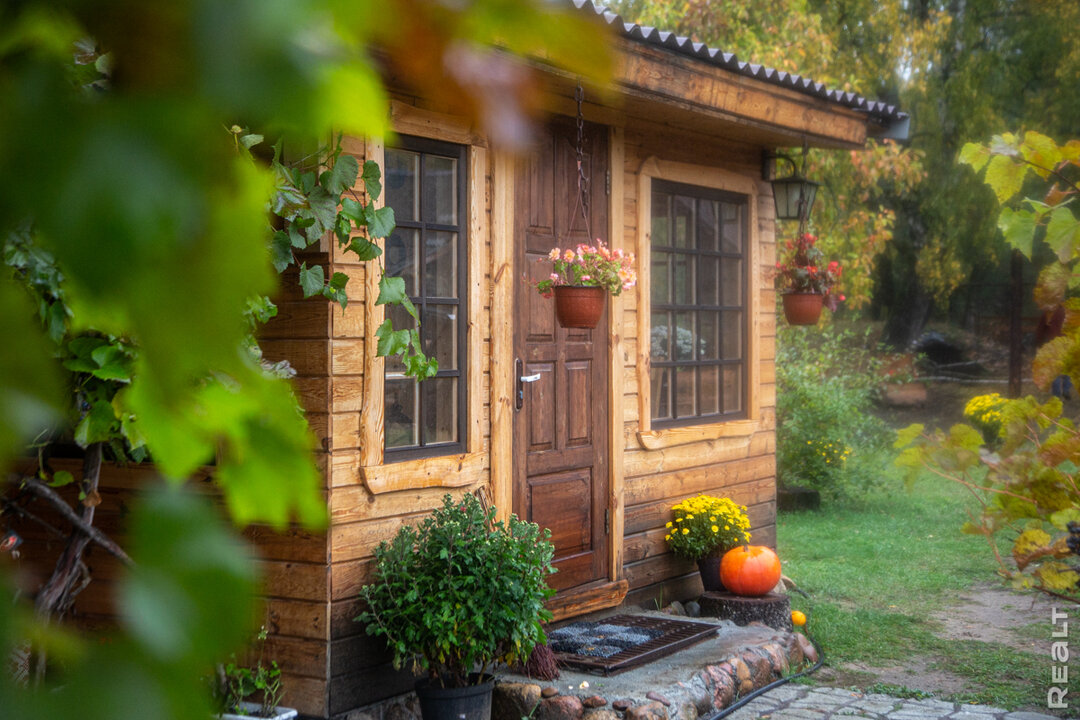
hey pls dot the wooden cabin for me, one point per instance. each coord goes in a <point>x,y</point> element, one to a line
<point>672,395</point>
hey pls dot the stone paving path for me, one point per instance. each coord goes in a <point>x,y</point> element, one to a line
<point>800,702</point>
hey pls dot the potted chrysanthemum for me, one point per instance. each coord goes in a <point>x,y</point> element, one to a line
<point>703,529</point>
<point>581,278</point>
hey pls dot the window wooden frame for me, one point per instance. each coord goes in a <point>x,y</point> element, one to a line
<point>727,181</point>
<point>460,469</point>
<point>697,308</point>
<point>425,147</point>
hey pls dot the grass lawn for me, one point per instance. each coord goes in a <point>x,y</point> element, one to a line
<point>878,570</point>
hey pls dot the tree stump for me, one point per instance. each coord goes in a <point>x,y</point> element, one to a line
<point>772,609</point>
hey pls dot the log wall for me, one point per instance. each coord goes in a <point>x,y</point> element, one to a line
<point>734,459</point>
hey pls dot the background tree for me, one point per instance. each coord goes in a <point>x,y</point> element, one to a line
<point>916,229</point>
<point>139,254</point>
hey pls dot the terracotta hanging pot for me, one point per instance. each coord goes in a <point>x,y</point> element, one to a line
<point>802,308</point>
<point>579,307</point>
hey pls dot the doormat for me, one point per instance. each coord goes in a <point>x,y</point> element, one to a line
<point>619,643</point>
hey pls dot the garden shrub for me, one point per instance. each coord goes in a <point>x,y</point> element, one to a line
<point>826,438</point>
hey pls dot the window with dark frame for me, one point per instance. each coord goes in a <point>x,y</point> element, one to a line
<point>426,186</point>
<point>699,279</point>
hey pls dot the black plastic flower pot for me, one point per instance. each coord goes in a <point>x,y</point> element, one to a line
<point>472,702</point>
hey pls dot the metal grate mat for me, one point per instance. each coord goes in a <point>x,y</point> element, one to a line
<point>673,635</point>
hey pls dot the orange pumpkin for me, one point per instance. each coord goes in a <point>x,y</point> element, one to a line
<point>750,570</point>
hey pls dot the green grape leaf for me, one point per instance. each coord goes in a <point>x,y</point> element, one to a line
<point>296,238</point>
<point>391,290</point>
<point>1018,227</point>
<point>380,223</point>
<point>281,251</point>
<point>342,176</point>
<point>372,179</point>
<point>391,342</point>
<point>907,435</point>
<point>1004,176</point>
<point>96,425</point>
<point>365,249</point>
<point>1063,233</point>
<point>352,209</point>
<point>975,155</point>
<point>312,279</point>
<point>1040,151</point>
<point>966,437</point>
<point>324,208</point>
<point>1062,518</point>
<point>61,478</point>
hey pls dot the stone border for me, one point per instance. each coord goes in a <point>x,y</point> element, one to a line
<point>708,690</point>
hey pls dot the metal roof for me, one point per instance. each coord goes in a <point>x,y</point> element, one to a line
<point>889,115</point>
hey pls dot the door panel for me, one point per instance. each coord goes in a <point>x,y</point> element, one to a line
<point>560,438</point>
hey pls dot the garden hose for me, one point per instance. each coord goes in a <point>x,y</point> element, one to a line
<point>775,684</point>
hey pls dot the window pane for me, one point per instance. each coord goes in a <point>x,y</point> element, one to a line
<point>661,395</point>
<point>401,320</point>
<point>439,334</point>
<point>440,190</point>
<point>732,234</point>
<point>661,219</point>
<point>683,282</point>
<point>732,343</point>
<point>708,335</point>
<point>684,222</point>
<point>707,225</point>
<point>401,412</point>
<point>440,410</point>
<point>684,336</point>
<point>402,171</point>
<point>661,278</point>
<point>401,258</point>
<point>686,392</point>
<point>732,388</point>
<point>440,264</point>
<point>710,390</point>
<point>660,346</point>
<point>731,281</point>
<point>709,285</point>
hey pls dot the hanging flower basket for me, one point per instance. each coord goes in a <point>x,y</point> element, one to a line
<point>580,279</point>
<point>579,307</point>
<point>802,308</point>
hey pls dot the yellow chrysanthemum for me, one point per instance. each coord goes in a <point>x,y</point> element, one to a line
<point>686,531</point>
<point>716,529</point>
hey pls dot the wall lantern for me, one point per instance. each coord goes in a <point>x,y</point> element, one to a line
<point>794,194</point>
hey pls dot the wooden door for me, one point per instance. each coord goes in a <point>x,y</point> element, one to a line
<point>560,428</point>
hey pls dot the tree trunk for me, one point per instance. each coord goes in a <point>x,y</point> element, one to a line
<point>56,596</point>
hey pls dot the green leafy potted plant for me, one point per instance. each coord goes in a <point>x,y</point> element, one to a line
<point>238,683</point>
<point>806,280</point>
<point>579,279</point>
<point>454,596</point>
<point>704,528</point>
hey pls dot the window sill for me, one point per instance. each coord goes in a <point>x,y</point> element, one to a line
<point>440,471</point>
<point>670,437</point>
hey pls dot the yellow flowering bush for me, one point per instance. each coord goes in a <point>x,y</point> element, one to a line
<point>705,525</point>
<point>984,412</point>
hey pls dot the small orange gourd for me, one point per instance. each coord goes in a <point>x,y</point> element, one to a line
<point>750,570</point>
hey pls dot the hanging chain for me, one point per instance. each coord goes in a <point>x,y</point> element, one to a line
<point>582,178</point>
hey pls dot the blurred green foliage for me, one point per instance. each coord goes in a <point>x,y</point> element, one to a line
<point>136,229</point>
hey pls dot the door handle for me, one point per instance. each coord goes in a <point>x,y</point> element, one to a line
<point>521,380</point>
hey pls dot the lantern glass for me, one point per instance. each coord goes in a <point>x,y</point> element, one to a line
<point>792,194</point>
